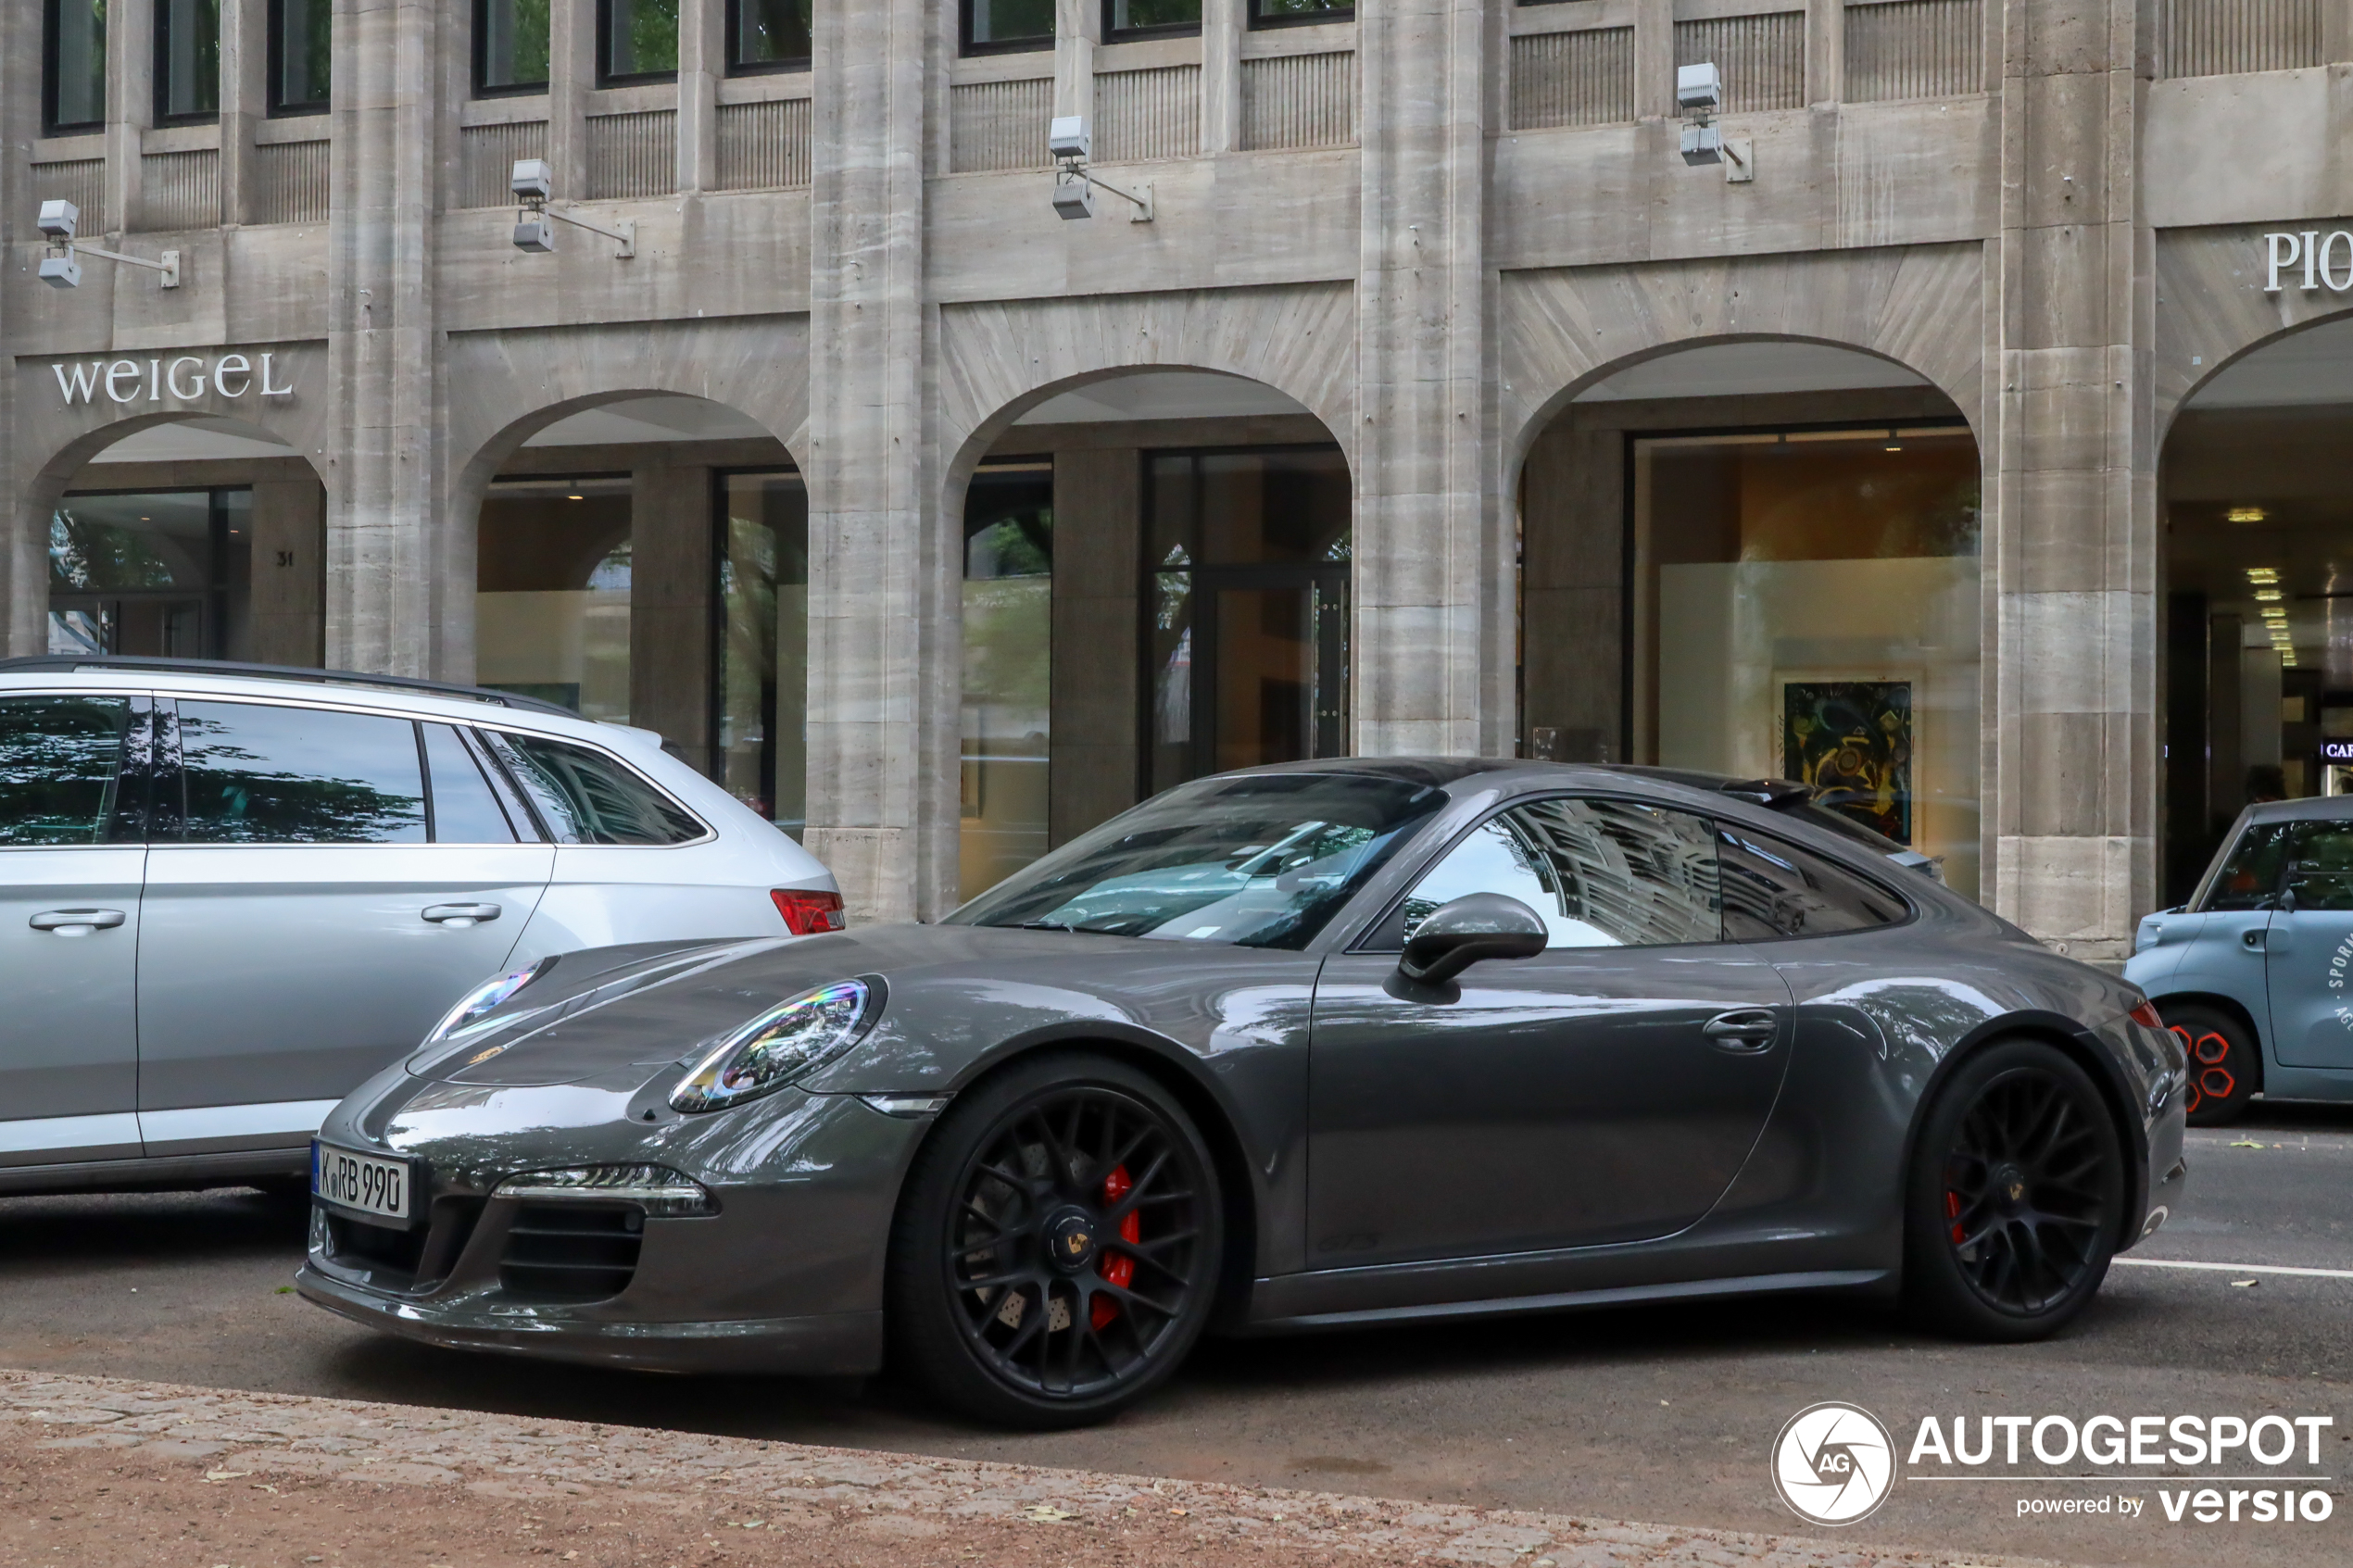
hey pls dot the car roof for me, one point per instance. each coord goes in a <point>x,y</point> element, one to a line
<point>2313,809</point>
<point>38,664</point>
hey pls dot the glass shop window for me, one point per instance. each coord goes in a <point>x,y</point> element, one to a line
<point>187,60</point>
<point>762,679</point>
<point>1284,13</point>
<point>156,573</point>
<point>510,47</point>
<point>551,592</point>
<point>995,25</point>
<point>301,40</point>
<point>73,65</point>
<point>1008,692</point>
<point>768,35</point>
<point>636,40</point>
<point>1805,606</point>
<point>1149,18</point>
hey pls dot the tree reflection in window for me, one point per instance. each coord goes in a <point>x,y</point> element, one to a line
<point>258,775</point>
<point>59,761</point>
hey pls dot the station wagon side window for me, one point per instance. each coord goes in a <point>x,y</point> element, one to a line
<point>61,760</point>
<point>1602,873</point>
<point>587,797</point>
<point>1773,888</point>
<point>257,773</point>
<point>2250,878</point>
<point>466,809</point>
<point>2320,866</point>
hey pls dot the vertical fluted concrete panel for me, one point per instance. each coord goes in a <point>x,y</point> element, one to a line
<point>384,463</point>
<point>1763,57</point>
<point>486,158</point>
<point>1584,78</point>
<point>1000,125</point>
<point>764,146</point>
<point>2071,541</point>
<point>883,638</point>
<point>1147,114</point>
<point>632,155</point>
<point>1300,100</point>
<point>290,182</point>
<point>1433,610</point>
<point>82,181</point>
<point>180,190</point>
<point>2223,37</point>
<point>1915,49</point>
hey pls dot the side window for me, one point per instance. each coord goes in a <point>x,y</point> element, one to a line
<point>1776,889</point>
<point>1602,873</point>
<point>251,773</point>
<point>60,759</point>
<point>464,809</point>
<point>587,797</point>
<point>2250,878</point>
<point>2319,870</point>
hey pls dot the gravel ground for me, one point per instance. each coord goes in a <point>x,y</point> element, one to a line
<point>99,1471</point>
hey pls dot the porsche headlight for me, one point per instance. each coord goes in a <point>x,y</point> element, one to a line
<point>789,1041</point>
<point>478,1003</point>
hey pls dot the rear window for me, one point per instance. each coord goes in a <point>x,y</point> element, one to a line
<point>1772,888</point>
<point>588,797</point>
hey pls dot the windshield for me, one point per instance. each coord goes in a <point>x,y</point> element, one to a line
<point>1258,861</point>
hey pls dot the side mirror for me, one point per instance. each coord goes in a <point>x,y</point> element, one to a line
<point>1479,925</point>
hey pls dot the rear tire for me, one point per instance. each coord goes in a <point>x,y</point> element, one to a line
<point>2014,1195</point>
<point>2223,1073</point>
<point>1056,1250</point>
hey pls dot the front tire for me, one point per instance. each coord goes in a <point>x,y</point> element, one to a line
<point>1056,1250</point>
<point>2223,1068</point>
<point>2014,1195</point>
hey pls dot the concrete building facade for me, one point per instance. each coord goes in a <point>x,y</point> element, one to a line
<point>1440,405</point>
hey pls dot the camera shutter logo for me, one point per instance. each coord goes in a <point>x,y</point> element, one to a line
<point>1834,1463</point>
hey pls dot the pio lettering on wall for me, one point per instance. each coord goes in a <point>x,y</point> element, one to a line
<point>184,379</point>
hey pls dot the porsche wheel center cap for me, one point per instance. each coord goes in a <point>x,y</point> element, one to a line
<point>1070,1240</point>
<point>2010,1187</point>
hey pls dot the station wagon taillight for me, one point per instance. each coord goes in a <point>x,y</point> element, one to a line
<point>807,914</point>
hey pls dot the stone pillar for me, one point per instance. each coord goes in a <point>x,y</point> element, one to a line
<point>1433,632</point>
<point>1099,520</point>
<point>1077,29</point>
<point>1573,594</point>
<point>289,569</point>
<point>2071,537</point>
<point>702,60</point>
<point>670,603</point>
<point>131,108</point>
<point>1825,51</point>
<point>883,632</point>
<point>244,99</point>
<point>1221,75</point>
<point>385,459</point>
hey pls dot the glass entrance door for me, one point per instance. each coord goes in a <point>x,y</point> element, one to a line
<point>1273,658</point>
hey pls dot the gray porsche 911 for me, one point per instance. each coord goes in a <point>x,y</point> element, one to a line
<point>1311,1046</point>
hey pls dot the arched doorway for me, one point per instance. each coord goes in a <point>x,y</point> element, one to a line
<point>1156,586</point>
<point>194,538</point>
<point>643,558</point>
<point>1761,559</point>
<point>2258,532</point>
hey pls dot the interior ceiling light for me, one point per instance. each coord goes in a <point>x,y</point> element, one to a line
<point>2247,514</point>
<point>2267,594</point>
<point>2263,574</point>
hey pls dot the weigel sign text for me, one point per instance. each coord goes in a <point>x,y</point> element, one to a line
<point>182,380</point>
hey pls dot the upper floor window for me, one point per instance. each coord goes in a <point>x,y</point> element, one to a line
<point>636,40</point>
<point>300,34</point>
<point>73,65</point>
<point>510,47</point>
<point>767,35</point>
<point>187,60</point>
<point>1146,19</point>
<point>991,25</point>
<point>1283,13</point>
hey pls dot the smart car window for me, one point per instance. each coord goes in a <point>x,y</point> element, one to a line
<point>60,757</point>
<point>1257,860</point>
<point>253,773</point>
<point>1602,873</point>
<point>2250,878</point>
<point>587,797</point>
<point>2320,866</point>
<point>464,810</point>
<point>1776,889</point>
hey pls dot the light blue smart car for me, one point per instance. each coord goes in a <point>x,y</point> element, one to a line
<point>2253,972</point>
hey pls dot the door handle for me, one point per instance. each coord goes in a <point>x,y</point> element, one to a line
<point>1749,1030</point>
<point>77,922</point>
<point>2252,937</point>
<point>460,914</point>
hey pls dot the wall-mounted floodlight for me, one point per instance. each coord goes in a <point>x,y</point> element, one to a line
<point>1068,139</point>
<point>1699,93</point>
<point>533,183</point>
<point>1699,88</point>
<point>61,269</point>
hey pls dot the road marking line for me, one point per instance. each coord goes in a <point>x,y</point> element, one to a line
<point>2233,1268</point>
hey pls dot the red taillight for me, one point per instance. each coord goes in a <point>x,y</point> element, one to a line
<point>2146,1016</point>
<point>807,914</point>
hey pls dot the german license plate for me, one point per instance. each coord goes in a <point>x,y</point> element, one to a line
<point>366,1184</point>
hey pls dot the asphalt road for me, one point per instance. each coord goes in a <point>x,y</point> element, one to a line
<point>1661,1415</point>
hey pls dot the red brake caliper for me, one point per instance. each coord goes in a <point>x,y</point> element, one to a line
<point>1116,1267</point>
<point>1953,1212</point>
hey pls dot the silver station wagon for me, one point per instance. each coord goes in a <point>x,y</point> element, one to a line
<point>226,898</point>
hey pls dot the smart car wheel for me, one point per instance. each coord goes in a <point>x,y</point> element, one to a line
<point>2221,1062</point>
<point>2015,1195</point>
<point>1057,1247</point>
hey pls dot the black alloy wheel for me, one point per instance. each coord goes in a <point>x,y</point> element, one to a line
<point>2223,1071</point>
<point>2015,1198</point>
<point>1057,1247</point>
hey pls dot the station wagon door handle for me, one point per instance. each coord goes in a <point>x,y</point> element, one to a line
<point>460,914</point>
<point>77,922</point>
<point>1749,1031</point>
